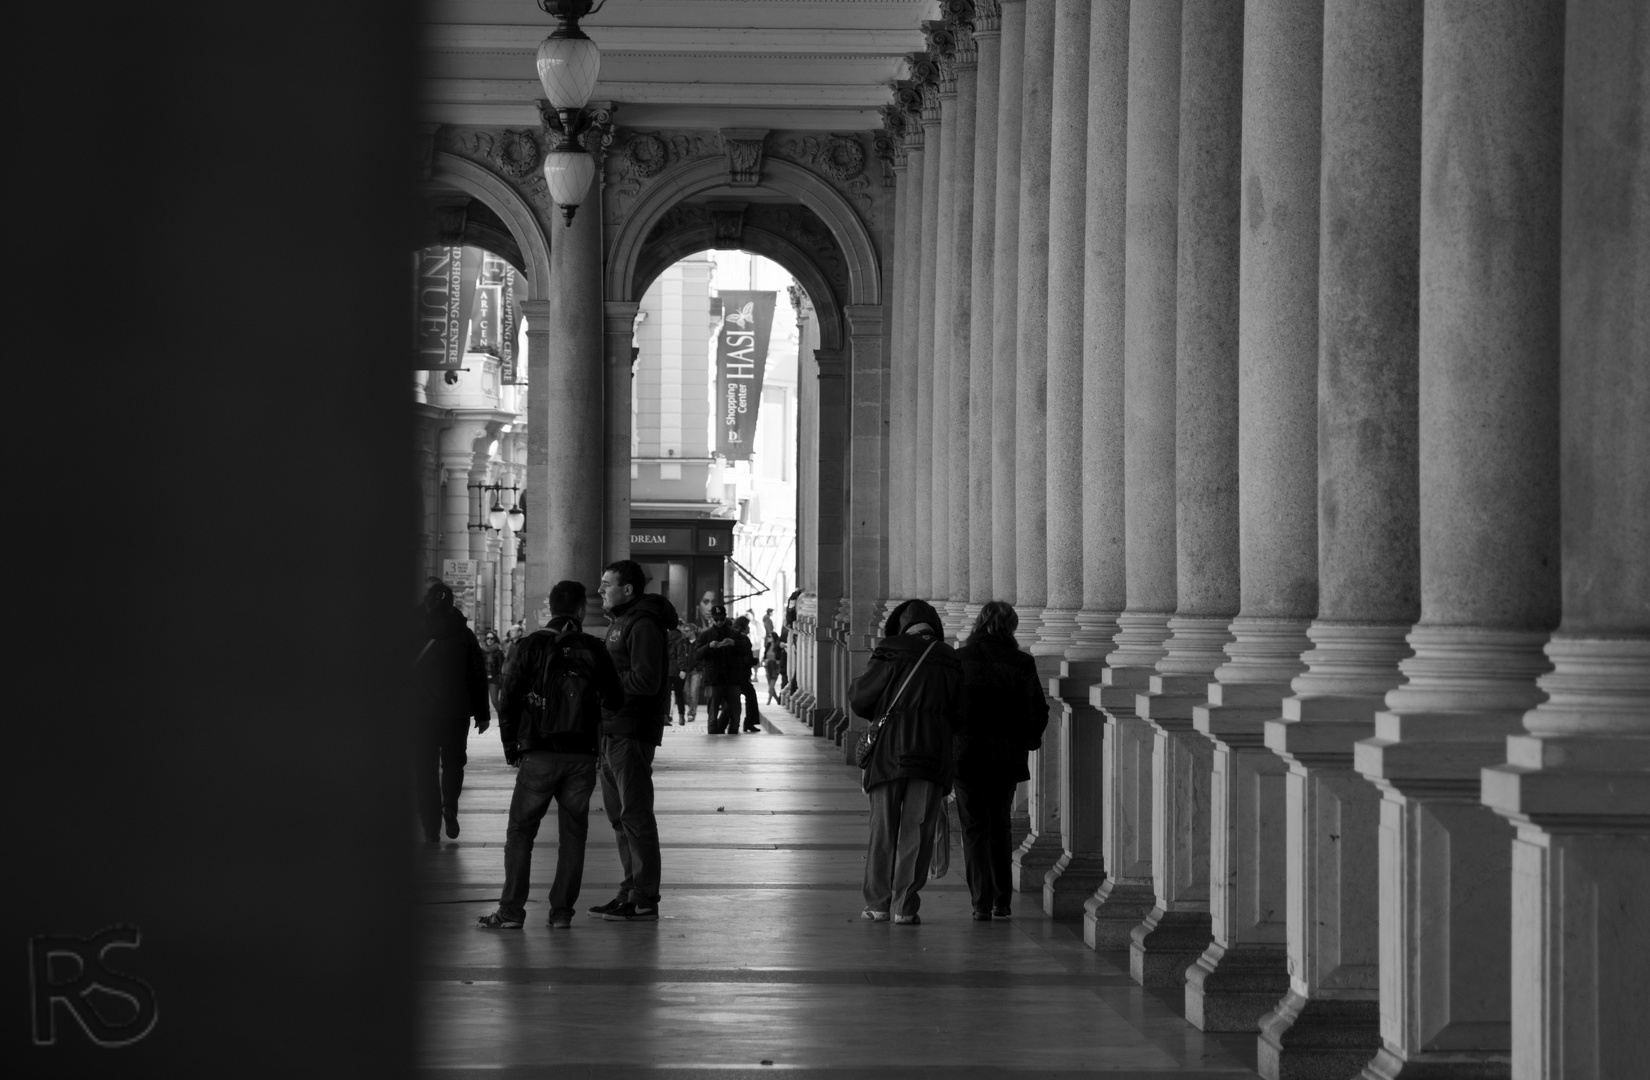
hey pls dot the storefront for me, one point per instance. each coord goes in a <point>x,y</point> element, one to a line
<point>683,558</point>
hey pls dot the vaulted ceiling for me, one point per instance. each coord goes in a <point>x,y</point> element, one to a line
<point>820,64</point>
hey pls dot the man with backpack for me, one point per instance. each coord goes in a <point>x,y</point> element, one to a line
<point>555,684</point>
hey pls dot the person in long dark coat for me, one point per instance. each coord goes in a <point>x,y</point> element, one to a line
<point>1004,715</point>
<point>449,687</point>
<point>910,770</point>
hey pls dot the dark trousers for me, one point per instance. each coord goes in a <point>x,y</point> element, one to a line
<point>440,772</point>
<point>626,773</point>
<point>904,817</point>
<point>678,693</point>
<point>983,807</point>
<point>722,715</point>
<point>753,718</point>
<point>540,777</point>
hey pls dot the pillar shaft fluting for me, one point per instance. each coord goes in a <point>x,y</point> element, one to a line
<point>944,360</point>
<point>1031,368</point>
<point>922,465</point>
<point>1368,574</point>
<point>1152,195</point>
<point>1244,971</point>
<point>899,476</point>
<point>982,287</point>
<point>909,372</point>
<point>1005,300</point>
<point>961,312</point>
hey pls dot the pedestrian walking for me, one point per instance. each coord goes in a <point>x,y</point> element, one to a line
<point>747,666</point>
<point>492,656</point>
<point>636,640</point>
<point>1004,715</point>
<point>719,659</point>
<point>913,685</point>
<point>449,689</point>
<point>770,666</point>
<point>553,689</point>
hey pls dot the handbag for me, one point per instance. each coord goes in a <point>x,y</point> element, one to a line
<point>868,738</point>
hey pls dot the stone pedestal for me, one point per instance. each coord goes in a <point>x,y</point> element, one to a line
<point>1081,868</point>
<point>1128,896</point>
<point>1041,848</point>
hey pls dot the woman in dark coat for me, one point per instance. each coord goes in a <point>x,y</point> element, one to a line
<point>910,770</point>
<point>1004,715</point>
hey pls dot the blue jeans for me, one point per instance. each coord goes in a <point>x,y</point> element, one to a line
<point>541,776</point>
<point>626,772</point>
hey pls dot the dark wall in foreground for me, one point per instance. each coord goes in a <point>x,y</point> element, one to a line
<point>206,533</point>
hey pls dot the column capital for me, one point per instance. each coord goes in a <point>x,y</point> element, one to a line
<point>864,320</point>
<point>538,310</point>
<point>941,35</point>
<point>988,18</point>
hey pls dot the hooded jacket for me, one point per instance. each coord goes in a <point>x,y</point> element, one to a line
<point>719,664</point>
<point>638,642</point>
<point>916,741</point>
<point>524,669</point>
<point>1004,712</point>
<point>449,674</point>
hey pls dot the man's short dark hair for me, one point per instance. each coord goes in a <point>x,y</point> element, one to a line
<point>628,572</point>
<point>566,597</point>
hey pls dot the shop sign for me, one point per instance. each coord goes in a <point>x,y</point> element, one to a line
<point>446,285</point>
<point>509,327</point>
<point>661,541</point>
<point>460,576</point>
<point>741,359</point>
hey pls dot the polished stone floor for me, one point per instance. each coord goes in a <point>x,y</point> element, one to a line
<point>761,963</point>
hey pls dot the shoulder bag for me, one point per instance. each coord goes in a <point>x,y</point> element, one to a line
<point>868,738</point>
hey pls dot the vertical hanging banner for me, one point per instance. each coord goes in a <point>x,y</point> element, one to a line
<point>741,359</point>
<point>486,322</point>
<point>508,327</point>
<point>446,284</point>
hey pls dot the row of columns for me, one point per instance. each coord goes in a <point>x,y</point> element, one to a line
<point>1285,364</point>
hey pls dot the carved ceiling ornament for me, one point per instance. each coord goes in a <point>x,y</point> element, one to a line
<point>645,155</point>
<point>744,150</point>
<point>842,158</point>
<point>516,153</point>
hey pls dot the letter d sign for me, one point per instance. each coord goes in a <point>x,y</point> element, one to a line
<point>112,1008</point>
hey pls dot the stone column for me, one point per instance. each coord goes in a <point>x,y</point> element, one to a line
<point>1368,534</point>
<point>565,410</point>
<point>960,316</point>
<point>907,373</point>
<point>1041,848</point>
<point>1152,185</point>
<point>1245,971</point>
<point>1176,932</point>
<point>1084,791</point>
<point>922,466</point>
<point>1491,137</point>
<point>1577,785</point>
<point>942,47</point>
<point>1031,342</point>
<point>982,410</point>
<point>1005,299</point>
<point>621,331</point>
<point>865,536</point>
<point>899,428</point>
<point>1080,868</point>
<point>456,458</point>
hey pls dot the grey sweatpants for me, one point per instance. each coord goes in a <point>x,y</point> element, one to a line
<point>904,815</point>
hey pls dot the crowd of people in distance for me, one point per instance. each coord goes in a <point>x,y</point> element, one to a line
<point>574,710</point>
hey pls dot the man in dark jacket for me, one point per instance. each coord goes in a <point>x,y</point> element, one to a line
<point>910,769</point>
<point>559,766</point>
<point>450,687</point>
<point>637,641</point>
<point>719,657</point>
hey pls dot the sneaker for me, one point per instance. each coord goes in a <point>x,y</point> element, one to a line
<point>907,920</point>
<point>499,921</point>
<point>600,910</point>
<point>874,916</point>
<point>451,817</point>
<point>632,913</point>
<point>1001,912</point>
<point>561,920</point>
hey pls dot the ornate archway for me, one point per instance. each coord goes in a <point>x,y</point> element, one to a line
<point>498,195</point>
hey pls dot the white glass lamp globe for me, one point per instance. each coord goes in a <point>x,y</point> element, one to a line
<point>568,67</point>
<point>495,518</point>
<point>516,519</point>
<point>568,172</point>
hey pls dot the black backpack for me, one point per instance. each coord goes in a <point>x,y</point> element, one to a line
<point>564,700</point>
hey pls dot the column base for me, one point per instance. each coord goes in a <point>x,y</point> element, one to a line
<point>1165,945</point>
<point>1230,989</point>
<point>1035,857</point>
<point>1389,1065</point>
<point>1318,1039</point>
<point>1112,913</point>
<point>1069,884</point>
